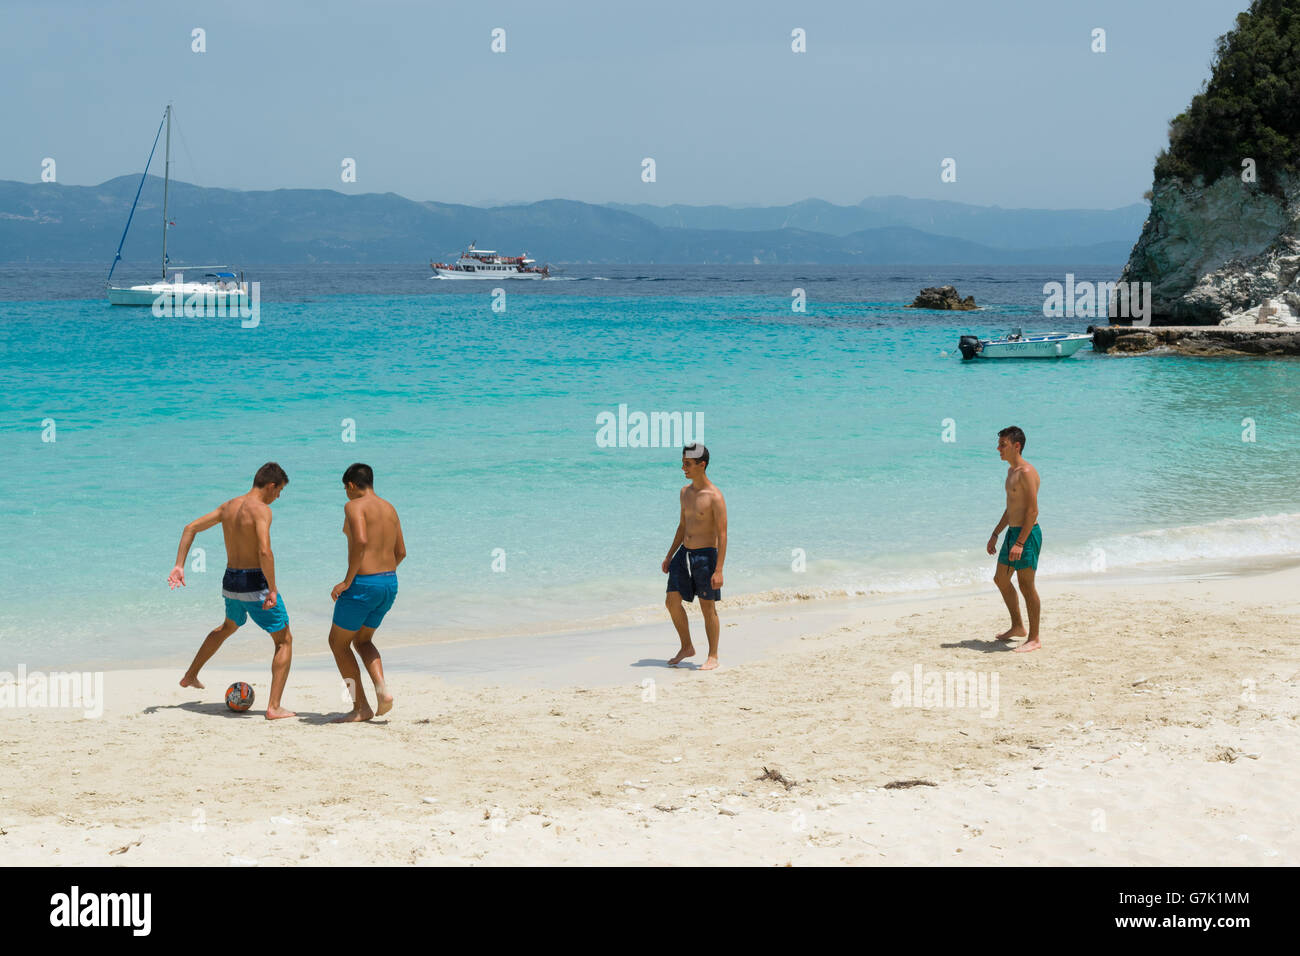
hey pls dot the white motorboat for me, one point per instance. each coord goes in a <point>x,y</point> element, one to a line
<point>486,264</point>
<point>1017,345</point>
<point>222,291</point>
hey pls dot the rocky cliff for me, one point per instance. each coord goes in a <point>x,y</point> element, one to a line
<point>1213,252</point>
<point>1222,241</point>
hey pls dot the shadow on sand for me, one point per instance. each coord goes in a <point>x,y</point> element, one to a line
<point>219,709</point>
<point>990,646</point>
<point>660,662</point>
<point>214,709</point>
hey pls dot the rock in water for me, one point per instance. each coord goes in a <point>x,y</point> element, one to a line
<point>943,297</point>
<point>1223,235</point>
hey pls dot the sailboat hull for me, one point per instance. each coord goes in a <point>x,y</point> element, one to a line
<point>202,294</point>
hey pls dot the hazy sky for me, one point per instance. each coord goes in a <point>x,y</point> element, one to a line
<point>585,90</point>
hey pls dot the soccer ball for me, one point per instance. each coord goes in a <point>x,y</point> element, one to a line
<point>239,696</point>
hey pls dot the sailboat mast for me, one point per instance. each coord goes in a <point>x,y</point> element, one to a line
<point>167,175</point>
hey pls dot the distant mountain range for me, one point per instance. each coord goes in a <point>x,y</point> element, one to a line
<point>53,223</point>
<point>987,225</point>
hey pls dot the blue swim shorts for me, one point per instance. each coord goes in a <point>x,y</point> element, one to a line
<point>244,590</point>
<point>366,602</point>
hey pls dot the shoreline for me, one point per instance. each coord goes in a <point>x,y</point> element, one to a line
<point>1156,726</point>
<point>648,628</point>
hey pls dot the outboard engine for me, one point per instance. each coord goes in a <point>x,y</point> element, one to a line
<point>970,346</point>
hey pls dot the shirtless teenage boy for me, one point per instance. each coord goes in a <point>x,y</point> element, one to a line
<point>1024,539</point>
<point>249,583</point>
<point>375,549</point>
<point>695,558</point>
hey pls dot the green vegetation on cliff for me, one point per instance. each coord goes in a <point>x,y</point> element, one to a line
<point>1249,108</point>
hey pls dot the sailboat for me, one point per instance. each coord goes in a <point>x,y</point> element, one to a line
<point>221,289</point>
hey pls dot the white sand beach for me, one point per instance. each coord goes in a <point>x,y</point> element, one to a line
<point>1158,725</point>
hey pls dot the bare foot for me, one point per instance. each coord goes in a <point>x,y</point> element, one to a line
<point>188,681</point>
<point>276,713</point>
<point>710,664</point>
<point>355,716</point>
<point>687,651</point>
<point>1011,633</point>
<point>385,704</point>
<point>1028,646</point>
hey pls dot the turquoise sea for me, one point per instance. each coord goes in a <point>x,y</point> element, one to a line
<point>826,429</point>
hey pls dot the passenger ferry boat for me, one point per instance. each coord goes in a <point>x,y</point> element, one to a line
<point>486,264</point>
